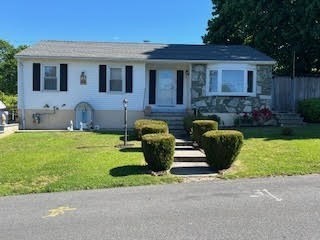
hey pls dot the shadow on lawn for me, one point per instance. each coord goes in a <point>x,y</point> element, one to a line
<point>90,147</point>
<point>131,149</point>
<point>130,138</point>
<point>128,170</point>
<point>115,132</point>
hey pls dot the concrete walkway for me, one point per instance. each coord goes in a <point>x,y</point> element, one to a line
<point>189,161</point>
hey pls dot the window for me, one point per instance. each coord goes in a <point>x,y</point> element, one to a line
<point>116,82</point>
<point>213,81</point>
<point>50,78</point>
<point>230,80</point>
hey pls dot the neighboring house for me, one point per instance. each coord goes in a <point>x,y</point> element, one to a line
<point>59,81</point>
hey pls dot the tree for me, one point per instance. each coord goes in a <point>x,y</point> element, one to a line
<point>8,67</point>
<point>277,28</point>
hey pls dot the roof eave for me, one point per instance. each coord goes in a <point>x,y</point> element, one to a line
<point>267,62</point>
<point>263,62</point>
<point>78,58</point>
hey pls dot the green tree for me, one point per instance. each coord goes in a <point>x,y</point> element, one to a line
<point>8,67</point>
<point>278,28</point>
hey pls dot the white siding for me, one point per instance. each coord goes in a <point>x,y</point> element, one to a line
<point>82,93</point>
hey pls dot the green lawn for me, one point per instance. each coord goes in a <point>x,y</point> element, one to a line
<point>60,161</point>
<point>267,153</point>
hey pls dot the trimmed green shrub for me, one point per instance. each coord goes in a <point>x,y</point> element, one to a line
<point>310,110</point>
<point>286,131</point>
<point>158,150</point>
<point>202,126</point>
<point>187,121</point>
<point>141,123</point>
<point>222,147</point>
<point>154,128</point>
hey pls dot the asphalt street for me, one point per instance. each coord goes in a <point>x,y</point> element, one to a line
<point>268,208</point>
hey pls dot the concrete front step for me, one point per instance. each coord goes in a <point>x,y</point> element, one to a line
<point>192,169</point>
<point>176,112</point>
<point>189,156</point>
<point>176,129</point>
<point>173,119</point>
<point>183,142</point>
<point>166,118</point>
<point>175,125</point>
<point>184,148</point>
<point>286,113</point>
<point>289,119</point>
<point>291,122</point>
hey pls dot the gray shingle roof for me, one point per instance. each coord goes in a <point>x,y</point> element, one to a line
<point>142,51</point>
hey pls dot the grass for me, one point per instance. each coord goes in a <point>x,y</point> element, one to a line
<point>267,153</point>
<point>61,161</point>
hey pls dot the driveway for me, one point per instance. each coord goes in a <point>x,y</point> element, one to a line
<point>269,208</point>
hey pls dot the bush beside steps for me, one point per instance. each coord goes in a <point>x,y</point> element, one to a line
<point>202,126</point>
<point>145,126</point>
<point>188,121</point>
<point>158,151</point>
<point>222,147</point>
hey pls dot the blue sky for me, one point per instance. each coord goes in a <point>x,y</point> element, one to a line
<point>164,21</point>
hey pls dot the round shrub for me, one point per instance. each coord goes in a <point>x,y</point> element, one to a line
<point>202,126</point>
<point>222,147</point>
<point>154,128</point>
<point>158,150</point>
<point>310,110</point>
<point>141,123</point>
<point>187,121</point>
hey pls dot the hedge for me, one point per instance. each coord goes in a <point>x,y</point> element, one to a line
<point>141,123</point>
<point>187,121</point>
<point>202,126</point>
<point>310,110</point>
<point>154,128</point>
<point>222,147</point>
<point>158,150</point>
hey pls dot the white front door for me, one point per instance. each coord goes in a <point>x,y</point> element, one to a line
<point>166,88</point>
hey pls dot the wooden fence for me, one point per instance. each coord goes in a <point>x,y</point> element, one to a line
<point>286,92</point>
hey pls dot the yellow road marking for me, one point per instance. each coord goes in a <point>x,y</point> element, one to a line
<point>58,211</point>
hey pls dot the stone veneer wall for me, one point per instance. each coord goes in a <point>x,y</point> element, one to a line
<point>232,104</point>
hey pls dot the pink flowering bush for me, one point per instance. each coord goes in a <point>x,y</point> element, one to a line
<point>262,115</point>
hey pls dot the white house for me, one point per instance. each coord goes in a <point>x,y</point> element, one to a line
<point>59,81</point>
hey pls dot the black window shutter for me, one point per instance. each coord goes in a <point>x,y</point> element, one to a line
<point>64,77</point>
<point>36,77</point>
<point>250,82</point>
<point>128,79</point>
<point>179,87</point>
<point>152,86</point>
<point>102,78</point>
